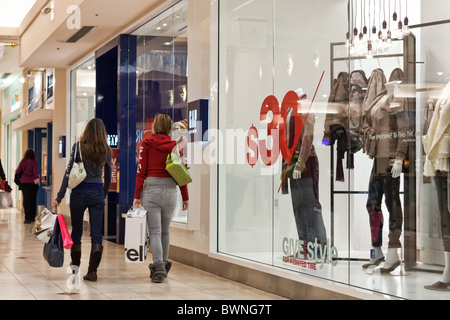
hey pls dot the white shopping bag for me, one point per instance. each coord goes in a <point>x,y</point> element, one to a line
<point>137,238</point>
<point>6,200</point>
<point>44,224</point>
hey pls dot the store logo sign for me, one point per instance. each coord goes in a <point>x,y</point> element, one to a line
<point>74,19</point>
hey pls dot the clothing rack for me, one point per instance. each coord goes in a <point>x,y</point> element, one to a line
<point>409,210</point>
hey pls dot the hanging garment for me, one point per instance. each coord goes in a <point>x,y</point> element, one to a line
<point>336,120</point>
<point>436,142</point>
<point>358,89</point>
<point>386,123</point>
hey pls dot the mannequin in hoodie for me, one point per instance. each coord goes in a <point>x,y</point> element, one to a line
<point>386,122</point>
<point>156,192</point>
<point>436,142</point>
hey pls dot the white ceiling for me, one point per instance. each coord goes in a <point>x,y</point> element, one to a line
<point>12,12</point>
<point>108,17</point>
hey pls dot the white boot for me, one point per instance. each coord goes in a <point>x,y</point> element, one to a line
<point>376,257</point>
<point>392,260</point>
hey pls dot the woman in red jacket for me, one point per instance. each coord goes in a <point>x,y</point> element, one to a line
<point>156,191</point>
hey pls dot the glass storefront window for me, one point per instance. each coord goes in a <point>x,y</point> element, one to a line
<point>82,103</point>
<point>162,72</point>
<point>335,157</point>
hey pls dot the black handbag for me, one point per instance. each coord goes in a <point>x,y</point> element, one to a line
<point>17,178</point>
<point>54,250</point>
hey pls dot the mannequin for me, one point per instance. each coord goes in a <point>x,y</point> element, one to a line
<point>385,124</point>
<point>303,175</point>
<point>436,142</point>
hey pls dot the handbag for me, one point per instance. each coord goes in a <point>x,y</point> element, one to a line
<point>43,226</point>
<point>78,173</point>
<point>53,250</point>
<point>66,238</point>
<point>177,169</point>
<point>18,176</point>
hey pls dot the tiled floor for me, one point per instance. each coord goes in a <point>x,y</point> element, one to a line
<point>25,275</point>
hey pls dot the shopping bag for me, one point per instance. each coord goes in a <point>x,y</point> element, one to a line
<point>177,169</point>
<point>54,250</point>
<point>43,225</point>
<point>65,234</point>
<point>137,238</point>
<point>6,200</point>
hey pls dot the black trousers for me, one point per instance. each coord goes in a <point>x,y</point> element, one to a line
<point>29,192</point>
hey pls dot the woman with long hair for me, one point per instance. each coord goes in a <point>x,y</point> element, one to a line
<point>29,184</point>
<point>158,191</point>
<point>89,194</point>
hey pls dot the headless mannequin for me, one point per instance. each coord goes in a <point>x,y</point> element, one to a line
<point>304,181</point>
<point>436,146</point>
<point>388,115</point>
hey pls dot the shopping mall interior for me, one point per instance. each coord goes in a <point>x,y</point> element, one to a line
<point>315,134</point>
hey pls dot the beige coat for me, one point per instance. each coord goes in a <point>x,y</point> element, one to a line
<point>437,141</point>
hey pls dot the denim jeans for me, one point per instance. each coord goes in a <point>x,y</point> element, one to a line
<point>303,203</point>
<point>441,182</point>
<point>80,200</point>
<point>159,198</point>
<point>382,184</point>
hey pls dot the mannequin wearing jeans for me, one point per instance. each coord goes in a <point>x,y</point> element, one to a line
<point>303,179</point>
<point>386,124</point>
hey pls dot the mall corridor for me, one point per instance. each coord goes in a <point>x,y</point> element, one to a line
<point>25,275</point>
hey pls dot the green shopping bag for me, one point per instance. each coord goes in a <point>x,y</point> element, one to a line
<point>175,166</point>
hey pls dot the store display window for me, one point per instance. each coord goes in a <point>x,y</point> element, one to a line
<point>337,165</point>
<point>162,75</point>
<point>82,103</point>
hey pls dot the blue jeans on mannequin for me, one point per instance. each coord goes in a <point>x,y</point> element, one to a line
<point>159,198</point>
<point>80,200</point>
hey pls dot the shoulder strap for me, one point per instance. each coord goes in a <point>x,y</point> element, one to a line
<point>78,147</point>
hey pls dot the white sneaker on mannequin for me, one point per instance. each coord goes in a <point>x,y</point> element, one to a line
<point>376,257</point>
<point>392,261</point>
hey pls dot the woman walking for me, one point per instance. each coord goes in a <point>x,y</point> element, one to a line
<point>158,192</point>
<point>89,194</point>
<point>29,184</point>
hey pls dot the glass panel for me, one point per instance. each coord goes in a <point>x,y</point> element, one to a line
<point>374,136</point>
<point>246,193</point>
<point>306,214</point>
<point>82,98</point>
<point>162,72</point>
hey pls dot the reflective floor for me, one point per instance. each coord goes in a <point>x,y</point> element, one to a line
<point>25,275</point>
